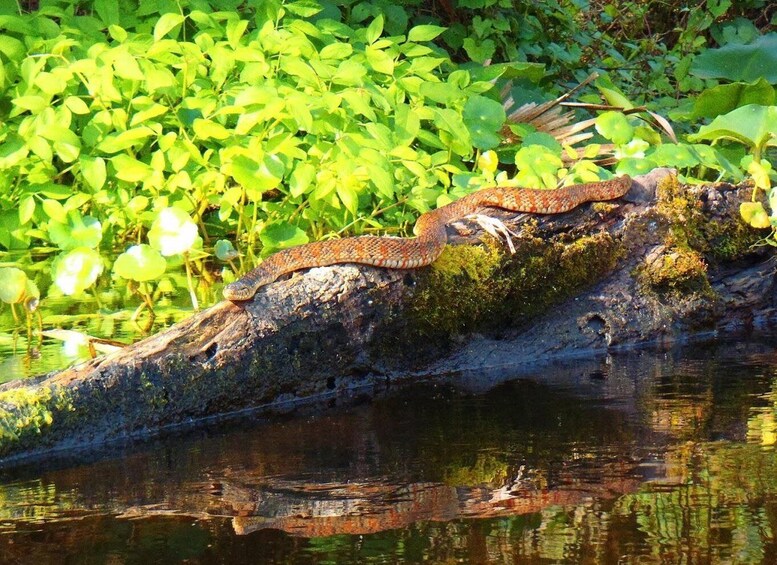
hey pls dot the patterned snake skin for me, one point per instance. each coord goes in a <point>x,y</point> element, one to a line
<point>431,237</point>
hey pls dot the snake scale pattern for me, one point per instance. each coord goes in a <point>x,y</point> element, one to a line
<point>431,236</point>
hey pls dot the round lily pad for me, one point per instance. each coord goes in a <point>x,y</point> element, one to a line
<point>173,232</point>
<point>140,263</point>
<point>13,283</point>
<point>78,269</point>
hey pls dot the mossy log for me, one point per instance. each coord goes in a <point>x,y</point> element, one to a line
<point>667,262</point>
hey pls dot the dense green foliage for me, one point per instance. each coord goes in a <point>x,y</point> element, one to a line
<point>172,133</point>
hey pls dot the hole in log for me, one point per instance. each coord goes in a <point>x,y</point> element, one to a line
<point>330,383</point>
<point>211,351</point>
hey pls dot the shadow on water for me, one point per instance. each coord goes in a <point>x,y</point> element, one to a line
<point>649,458</point>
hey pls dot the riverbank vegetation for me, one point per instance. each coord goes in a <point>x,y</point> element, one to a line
<point>150,151</point>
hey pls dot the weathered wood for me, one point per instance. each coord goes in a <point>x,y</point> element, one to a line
<point>603,276</point>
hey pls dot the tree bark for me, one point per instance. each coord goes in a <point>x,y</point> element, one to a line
<point>665,263</point>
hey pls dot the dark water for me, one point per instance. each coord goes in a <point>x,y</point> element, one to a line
<point>640,458</point>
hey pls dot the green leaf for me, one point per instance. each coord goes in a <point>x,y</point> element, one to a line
<point>537,166</point>
<point>167,22</point>
<point>34,103</point>
<point>754,125</point>
<point>235,30</point>
<point>450,121</point>
<point>173,232</point>
<point>615,127</point>
<point>54,210</point>
<point>113,143</point>
<point>75,271</point>
<point>635,166</point>
<point>615,97</point>
<point>479,51</point>
<point>78,231</point>
<point>424,32</point>
<point>301,179</point>
<point>224,250</point>
<point>126,66</point>
<point>13,282</point>
<point>279,235</point>
<point>373,31</point>
<point>674,155</point>
<point>130,169</point>
<point>736,62</point>
<point>76,105</point>
<point>336,50</point>
<point>406,124</point>
<point>754,214</point>
<point>484,118</point>
<point>379,60</point>
<point>207,129</point>
<point>724,98</point>
<point>140,263</point>
<point>93,171</point>
<point>260,176</point>
<point>107,11</point>
<point>26,208</point>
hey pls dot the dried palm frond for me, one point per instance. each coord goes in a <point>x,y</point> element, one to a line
<point>550,117</point>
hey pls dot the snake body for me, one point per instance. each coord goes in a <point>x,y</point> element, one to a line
<point>431,236</point>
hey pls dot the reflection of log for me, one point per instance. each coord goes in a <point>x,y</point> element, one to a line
<point>363,509</point>
<point>622,273</point>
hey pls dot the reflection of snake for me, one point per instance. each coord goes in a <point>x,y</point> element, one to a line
<point>406,253</point>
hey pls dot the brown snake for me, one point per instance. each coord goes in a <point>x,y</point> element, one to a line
<point>431,236</point>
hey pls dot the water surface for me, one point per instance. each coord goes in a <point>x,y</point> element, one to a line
<point>638,458</point>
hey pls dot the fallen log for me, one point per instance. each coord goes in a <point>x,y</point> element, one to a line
<point>667,262</point>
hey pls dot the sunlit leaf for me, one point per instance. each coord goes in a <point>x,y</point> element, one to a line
<point>424,32</point>
<point>140,263</point>
<point>93,171</point>
<point>754,214</point>
<point>166,23</point>
<point>54,210</point>
<point>754,125</point>
<point>78,231</point>
<point>75,271</point>
<point>12,285</point>
<point>615,127</point>
<point>173,232</point>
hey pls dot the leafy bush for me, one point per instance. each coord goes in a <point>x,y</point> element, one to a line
<point>270,130</point>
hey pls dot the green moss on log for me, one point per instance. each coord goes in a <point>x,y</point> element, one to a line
<point>482,288</point>
<point>727,240</point>
<point>27,412</point>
